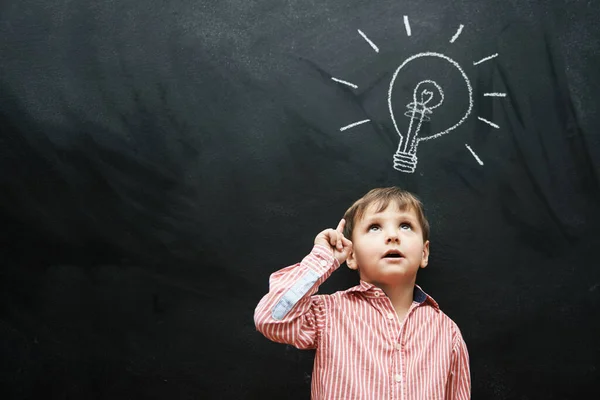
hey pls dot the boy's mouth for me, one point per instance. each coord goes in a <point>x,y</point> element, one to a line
<point>393,254</point>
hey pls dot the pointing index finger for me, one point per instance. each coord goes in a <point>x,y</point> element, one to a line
<point>340,227</point>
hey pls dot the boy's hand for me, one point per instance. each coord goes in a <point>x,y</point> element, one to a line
<point>335,240</point>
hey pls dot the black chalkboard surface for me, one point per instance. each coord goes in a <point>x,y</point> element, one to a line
<point>159,160</point>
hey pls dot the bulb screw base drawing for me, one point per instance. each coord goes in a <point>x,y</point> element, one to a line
<point>405,162</point>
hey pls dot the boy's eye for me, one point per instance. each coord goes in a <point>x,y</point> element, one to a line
<point>405,226</point>
<point>373,227</point>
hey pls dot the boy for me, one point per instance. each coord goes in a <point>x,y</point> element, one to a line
<point>384,338</point>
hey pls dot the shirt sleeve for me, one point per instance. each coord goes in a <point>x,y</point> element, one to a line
<point>290,313</point>
<point>459,384</point>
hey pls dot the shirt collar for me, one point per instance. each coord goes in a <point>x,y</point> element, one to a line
<point>371,291</point>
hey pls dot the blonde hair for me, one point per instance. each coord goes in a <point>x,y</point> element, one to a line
<point>382,197</point>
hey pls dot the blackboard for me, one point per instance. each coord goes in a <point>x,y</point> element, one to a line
<point>159,160</point>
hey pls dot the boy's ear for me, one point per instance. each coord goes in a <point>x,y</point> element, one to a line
<point>351,261</point>
<point>425,258</point>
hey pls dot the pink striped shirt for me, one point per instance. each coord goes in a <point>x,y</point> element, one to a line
<point>363,351</point>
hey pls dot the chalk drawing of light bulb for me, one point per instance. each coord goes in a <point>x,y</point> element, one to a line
<point>427,97</point>
<point>419,111</point>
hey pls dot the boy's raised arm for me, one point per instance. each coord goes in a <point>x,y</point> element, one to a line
<point>288,313</point>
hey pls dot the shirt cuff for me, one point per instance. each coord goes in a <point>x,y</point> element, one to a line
<point>322,260</point>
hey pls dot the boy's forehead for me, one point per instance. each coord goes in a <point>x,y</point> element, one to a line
<point>374,210</point>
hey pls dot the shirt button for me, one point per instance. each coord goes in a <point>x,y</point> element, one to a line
<point>398,378</point>
<point>390,316</point>
<point>324,263</point>
<point>376,294</point>
<point>398,346</point>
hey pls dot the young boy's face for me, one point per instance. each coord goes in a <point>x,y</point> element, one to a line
<point>388,246</point>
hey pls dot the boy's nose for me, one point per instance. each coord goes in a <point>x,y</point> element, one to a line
<point>393,236</point>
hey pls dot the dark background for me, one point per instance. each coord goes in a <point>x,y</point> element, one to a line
<point>159,159</point>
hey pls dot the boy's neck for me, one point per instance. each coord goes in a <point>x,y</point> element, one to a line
<point>401,296</point>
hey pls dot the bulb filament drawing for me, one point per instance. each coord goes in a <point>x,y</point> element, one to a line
<point>422,106</point>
